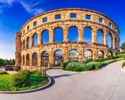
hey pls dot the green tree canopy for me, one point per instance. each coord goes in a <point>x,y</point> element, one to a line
<point>123,46</point>
<point>2,62</point>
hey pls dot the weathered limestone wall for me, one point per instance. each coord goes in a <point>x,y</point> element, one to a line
<point>65,23</point>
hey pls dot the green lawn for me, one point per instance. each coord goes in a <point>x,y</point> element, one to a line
<point>6,82</point>
<point>35,81</point>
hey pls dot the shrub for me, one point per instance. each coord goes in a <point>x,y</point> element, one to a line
<point>21,79</point>
<point>98,65</point>
<point>3,72</point>
<point>87,61</point>
<point>123,64</point>
<point>69,68</point>
<point>63,65</point>
<point>37,73</point>
<point>81,68</point>
<point>91,66</point>
<point>36,76</point>
<point>95,65</point>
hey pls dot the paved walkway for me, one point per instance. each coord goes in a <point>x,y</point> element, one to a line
<point>107,83</point>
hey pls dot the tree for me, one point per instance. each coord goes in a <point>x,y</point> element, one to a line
<point>123,46</point>
<point>2,62</point>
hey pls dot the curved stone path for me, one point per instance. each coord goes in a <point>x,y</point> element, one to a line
<point>107,83</point>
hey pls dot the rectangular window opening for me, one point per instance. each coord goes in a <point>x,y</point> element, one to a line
<point>35,23</point>
<point>100,20</point>
<point>28,27</point>
<point>58,16</point>
<point>88,17</point>
<point>45,19</point>
<point>109,25</point>
<point>72,15</point>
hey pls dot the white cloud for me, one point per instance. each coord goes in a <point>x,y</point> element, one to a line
<point>29,7</point>
<point>8,2</point>
<point>5,4</point>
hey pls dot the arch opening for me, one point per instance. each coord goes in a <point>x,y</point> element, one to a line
<point>34,59</point>
<point>23,60</point>
<point>23,44</point>
<point>100,36</point>
<point>28,42</point>
<point>58,34</point>
<point>58,55</point>
<point>27,60</point>
<point>45,37</point>
<point>73,34</point>
<point>88,35</point>
<point>87,54</point>
<point>110,53</point>
<point>100,54</point>
<point>35,39</point>
<point>73,55</point>
<point>109,40</point>
<point>44,59</point>
<point>116,43</point>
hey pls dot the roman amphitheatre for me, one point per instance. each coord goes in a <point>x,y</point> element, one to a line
<point>32,53</point>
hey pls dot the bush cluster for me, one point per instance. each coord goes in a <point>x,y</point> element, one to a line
<point>21,79</point>
<point>123,64</point>
<point>63,65</point>
<point>90,64</point>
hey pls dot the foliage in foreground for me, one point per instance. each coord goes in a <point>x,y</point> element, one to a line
<point>123,46</point>
<point>23,80</point>
<point>90,64</point>
<point>123,64</point>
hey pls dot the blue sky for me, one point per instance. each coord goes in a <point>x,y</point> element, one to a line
<point>14,13</point>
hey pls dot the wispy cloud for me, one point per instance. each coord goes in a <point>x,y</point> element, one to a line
<point>8,2</point>
<point>30,7</point>
<point>5,4</point>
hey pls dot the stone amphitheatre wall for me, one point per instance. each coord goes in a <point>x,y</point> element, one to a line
<point>24,54</point>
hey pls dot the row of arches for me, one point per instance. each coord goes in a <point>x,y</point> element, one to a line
<point>58,56</point>
<point>73,36</point>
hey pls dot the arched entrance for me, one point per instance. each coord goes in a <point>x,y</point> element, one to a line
<point>34,59</point>
<point>73,55</point>
<point>45,59</point>
<point>87,35</point>
<point>27,60</point>
<point>109,40</point>
<point>100,36</point>
<point>45,37</point>
<point>87,54</point>
<point>100,54</point>
<point>58,34</point>
<point>58,55</point>
<point>73,34</point>
<point>110,53</point>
